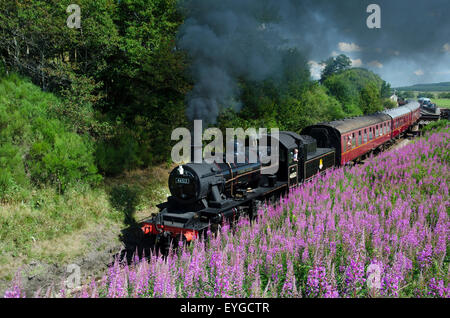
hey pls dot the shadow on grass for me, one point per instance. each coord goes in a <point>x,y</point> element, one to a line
<point>125,199</point>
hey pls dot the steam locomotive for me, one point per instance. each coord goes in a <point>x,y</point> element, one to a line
<point>204,195</point>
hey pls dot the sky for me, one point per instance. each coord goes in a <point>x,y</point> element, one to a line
<point>233,39</point>
<point>412,46</point>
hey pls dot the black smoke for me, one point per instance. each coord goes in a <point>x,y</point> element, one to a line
<point>231,39</point>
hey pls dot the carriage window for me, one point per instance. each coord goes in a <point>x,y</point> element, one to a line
<point>353,141</point>
<point>349,142</point>
<point>365,135</point>
<point>376,131</point>
<point>360,138</point>
<point>370,133</point>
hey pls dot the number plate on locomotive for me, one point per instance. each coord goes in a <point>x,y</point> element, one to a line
<point>182,180</point>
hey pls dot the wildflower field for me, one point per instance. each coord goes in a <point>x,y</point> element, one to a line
<point>380,229</point>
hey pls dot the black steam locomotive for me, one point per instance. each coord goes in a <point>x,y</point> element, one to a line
<point>206,194</point>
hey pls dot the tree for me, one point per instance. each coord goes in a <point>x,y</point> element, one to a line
<point>425,94</point>
<point>386,90</point>
<point>347,85</point>
<point>370,101</point>
<point>405,94</point>
<point>335,65</point>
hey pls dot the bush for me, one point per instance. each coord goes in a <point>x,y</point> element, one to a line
<point>444,95</point>
<point>36,148</point>
<point>426,95</point>
<point>437,125</point>
<point>117,154</point>
<point>388,104</point>
<point>2,69</point>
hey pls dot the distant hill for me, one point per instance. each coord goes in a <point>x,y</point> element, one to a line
<point>433,87</point>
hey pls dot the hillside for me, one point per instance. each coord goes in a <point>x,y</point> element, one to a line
<point>433,87</point>
<point>55,209</point>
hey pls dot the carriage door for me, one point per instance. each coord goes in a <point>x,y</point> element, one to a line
<point>293,167</point>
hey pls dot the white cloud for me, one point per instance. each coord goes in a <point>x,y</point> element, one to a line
<point>316,69</point>
<point>446,47</point>
<point>357,63</point>
<point>419,73</point>
<point>334,53</point>
<point>376,64</point>
<point>348,47</point>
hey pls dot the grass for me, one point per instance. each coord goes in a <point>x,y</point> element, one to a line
<point>55,229</point>
<point>442,103</point>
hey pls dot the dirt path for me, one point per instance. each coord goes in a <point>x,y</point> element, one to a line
<point>99,245</point>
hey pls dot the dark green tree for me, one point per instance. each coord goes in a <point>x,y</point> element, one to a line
<point>335,65</point>
<point>370,101</point>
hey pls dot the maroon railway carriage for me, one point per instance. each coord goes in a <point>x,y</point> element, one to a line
<point>352,137</point>
<point>401,119</point>
<point>414,107</point>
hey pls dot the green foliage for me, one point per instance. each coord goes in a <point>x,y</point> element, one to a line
<point>291,101</point>
<point>370,99</point>
<point>36,148</point>
<point>2,69</point>
<point>389,104</point>
<point>406,94</point>
<point>425,94</point>
<point>354,87</point>
<point>120,67</point>
<point>117,154</point>
<point>433,87</point>
<point>444,95</point>
<point>335,65</point>
<point>386,90</point>
<point>437,125</point>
